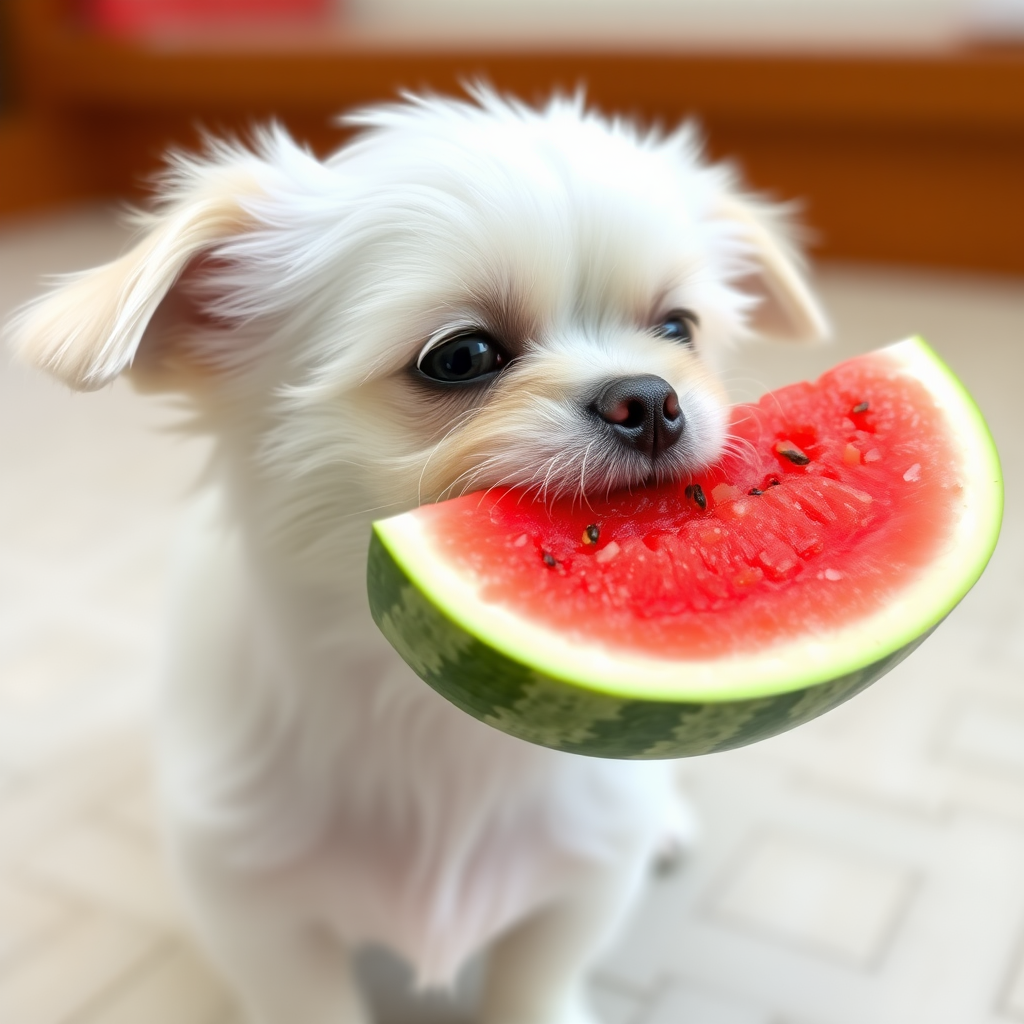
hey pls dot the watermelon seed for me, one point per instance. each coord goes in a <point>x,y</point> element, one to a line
<point>591,534</point>
<point>549,559</point>
<point>774,482</point>
<point>860,407</point>
<point>696,492</point>
<point>755,492</point>
<point>793,453</point>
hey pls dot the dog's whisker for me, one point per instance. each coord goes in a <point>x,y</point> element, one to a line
<point>466,481</point>
<point>370,510</point>
<point>476,473</point>
<point>459,422</point>
<point>582,486</point>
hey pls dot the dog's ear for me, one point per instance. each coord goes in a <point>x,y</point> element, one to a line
<point>787,308</point>
<point>139,309</point>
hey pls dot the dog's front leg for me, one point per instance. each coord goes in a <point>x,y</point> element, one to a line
<point>301,976</point>
<point>537,972</point>
<point>283,968</point>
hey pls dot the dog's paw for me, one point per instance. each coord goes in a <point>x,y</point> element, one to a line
<point>680,835</point>
<point>576,1014</point>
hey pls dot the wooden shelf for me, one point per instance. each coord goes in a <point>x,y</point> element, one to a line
<point>914,156</point>
<point>972,91</point>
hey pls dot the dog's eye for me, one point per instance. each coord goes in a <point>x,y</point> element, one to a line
<point>678,326</point>
<point>468,357</point>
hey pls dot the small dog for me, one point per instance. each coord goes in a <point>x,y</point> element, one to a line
<point>469,294</point>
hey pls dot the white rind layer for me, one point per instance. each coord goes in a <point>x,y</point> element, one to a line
<point>783,667</point>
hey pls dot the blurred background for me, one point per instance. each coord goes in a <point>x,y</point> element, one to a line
<point>867,869</point>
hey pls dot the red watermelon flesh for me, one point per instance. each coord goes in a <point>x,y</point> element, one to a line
<point>841,486</point>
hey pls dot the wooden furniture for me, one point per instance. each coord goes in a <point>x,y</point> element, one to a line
<point>914,157</point>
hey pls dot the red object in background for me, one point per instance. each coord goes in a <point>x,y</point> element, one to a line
<point>145,17</point>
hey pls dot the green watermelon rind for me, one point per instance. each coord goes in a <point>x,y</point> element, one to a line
<point>534,706</point>
<point>541,686</point>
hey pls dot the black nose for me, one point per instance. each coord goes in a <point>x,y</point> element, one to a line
<point>643,411</point>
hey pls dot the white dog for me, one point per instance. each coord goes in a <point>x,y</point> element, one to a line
<point>468,294</point>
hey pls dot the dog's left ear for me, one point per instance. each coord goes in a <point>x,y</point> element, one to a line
<point>787,308</point>
<point>90,328</point>
<point>158,309</point>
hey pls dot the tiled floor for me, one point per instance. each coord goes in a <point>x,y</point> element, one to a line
<point>867,869</point>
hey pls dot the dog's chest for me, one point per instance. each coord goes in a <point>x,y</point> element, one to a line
<point>447,831</point>
<point>310,748</point>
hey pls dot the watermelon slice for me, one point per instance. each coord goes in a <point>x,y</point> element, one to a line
<point>848,519</point>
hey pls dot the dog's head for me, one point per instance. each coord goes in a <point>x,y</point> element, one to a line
<point>467,295</point>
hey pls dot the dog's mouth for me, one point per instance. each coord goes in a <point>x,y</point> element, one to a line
<point>631,469</point>
<point>592,468</point>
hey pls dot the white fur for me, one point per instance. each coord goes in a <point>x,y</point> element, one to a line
<point>318,795</point>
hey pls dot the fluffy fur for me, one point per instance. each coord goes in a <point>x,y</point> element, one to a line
<point>317,795</point>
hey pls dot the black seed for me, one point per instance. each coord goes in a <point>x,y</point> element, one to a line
<point>689,490</point>
<point>755,492</point>
<point>774,482</point>
<point>549,560</point>
<point>860,407</point>
<point>796,457</point>
<point>697,493</point>
<point>593,532</point>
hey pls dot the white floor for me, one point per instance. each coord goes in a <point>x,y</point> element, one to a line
<point>867,869</point>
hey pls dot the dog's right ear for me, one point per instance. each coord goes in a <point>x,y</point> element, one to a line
<point>786,307</point>
<point>92,325</point>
